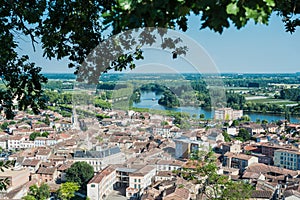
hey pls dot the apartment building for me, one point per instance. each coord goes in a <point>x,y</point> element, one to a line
<point>100,159</point>
<point>227,114</point>
<point>102,184</point>
<point>239,161</point>
<point>185,146</point>
<point>287,159</point>
<point>140,180</point>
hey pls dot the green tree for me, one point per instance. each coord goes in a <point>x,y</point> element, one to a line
<point>244,134</point>
<point>202,116</point>
<point>29,197</point>
<point>38,193</point>
<point>67,190</point>
<point>245,118</point>
<point>213,185</point>
<point>4,125</point>
<point>47,120</point>
<point>81,173</point>
<point>235,123</point>
<point>226,136</point>
<point>34,135</point>
<point>4,182</point>
<point>45,134</point>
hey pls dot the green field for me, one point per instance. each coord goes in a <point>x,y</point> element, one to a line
<point>273,101</point>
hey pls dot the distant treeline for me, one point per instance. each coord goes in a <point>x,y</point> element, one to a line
<point>292,94</point>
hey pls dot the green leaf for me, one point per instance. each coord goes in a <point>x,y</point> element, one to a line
<point>270,3</point>
<point>125,4</point>
<point>232,8</point>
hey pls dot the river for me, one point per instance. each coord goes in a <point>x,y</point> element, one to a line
<point>150,100</point>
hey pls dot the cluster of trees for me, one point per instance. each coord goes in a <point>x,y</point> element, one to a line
<point>34,135</point>
<point>80,173</point>
<point>66,191</point>
<point>292,94</point>
<point>98,102</point>
<point>78,176</point>
<point>263,107</point>
<point>57,97</point>
<point>235,101</point>
<point>58,85</point>
<point>243,135</point>
<point>111,86</point>
<point>4,125</point>
<point>213,185</point>
<point>169,100</point>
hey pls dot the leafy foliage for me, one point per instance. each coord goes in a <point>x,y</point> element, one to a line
<point>67,190</point>
<point>38,193</point>
<point>4,182</point>
<point>80,172</point>
<point>244,134</point>
<point>169,100</point>
<point>212,184</point>
<point>55,24</point>
<point>34,135</point>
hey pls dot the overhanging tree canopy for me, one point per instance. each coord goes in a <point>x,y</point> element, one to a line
<point>72,29</point>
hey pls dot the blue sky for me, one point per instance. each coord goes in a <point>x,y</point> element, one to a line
<point>252,49</point>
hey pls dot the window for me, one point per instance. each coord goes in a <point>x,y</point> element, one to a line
<point>139,180</point>
<point>135,180</point>
<point>93,185</point>
<point>135,186</point>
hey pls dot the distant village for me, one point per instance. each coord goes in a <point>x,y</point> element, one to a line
<point>137,153</point>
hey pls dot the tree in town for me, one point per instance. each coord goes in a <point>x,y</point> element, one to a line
<point>213,185</point>
<point>38,193</point>
<point>35,134</point>
<point>81,173</point>
<point>244,135</point>
<point>226,136</point>
<point>202,116</point>
<point>67,190</point>
<point>235,123</point>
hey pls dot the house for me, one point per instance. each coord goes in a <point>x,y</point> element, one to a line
<point>272,128</point>
<point>164,175</point>
<point>139,180</point>
<point>291,195</point>
<point>239,161</point>
<point>287,159</point>
<point>163,131</point>
<point>168,165</point>
<point>100,159</point>
<point>231,147</point>
<point>101,184</point>
<point>32,164</point>
<point>227,114</point>
<point>14,142</point>
<point>106,121</point>
<point>177,194</point>
<point>185,146</point>
<point>43,141</point>
<point>261,195</point>
<point>232,131</point>
<point>3,143</point>
<point>215,136</point>
<point>62,171</point>
<point>47,174</point>
<point>253,128</point>
<point>43,154</point>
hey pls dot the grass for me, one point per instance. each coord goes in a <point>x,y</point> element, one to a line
<point>273,101</point>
